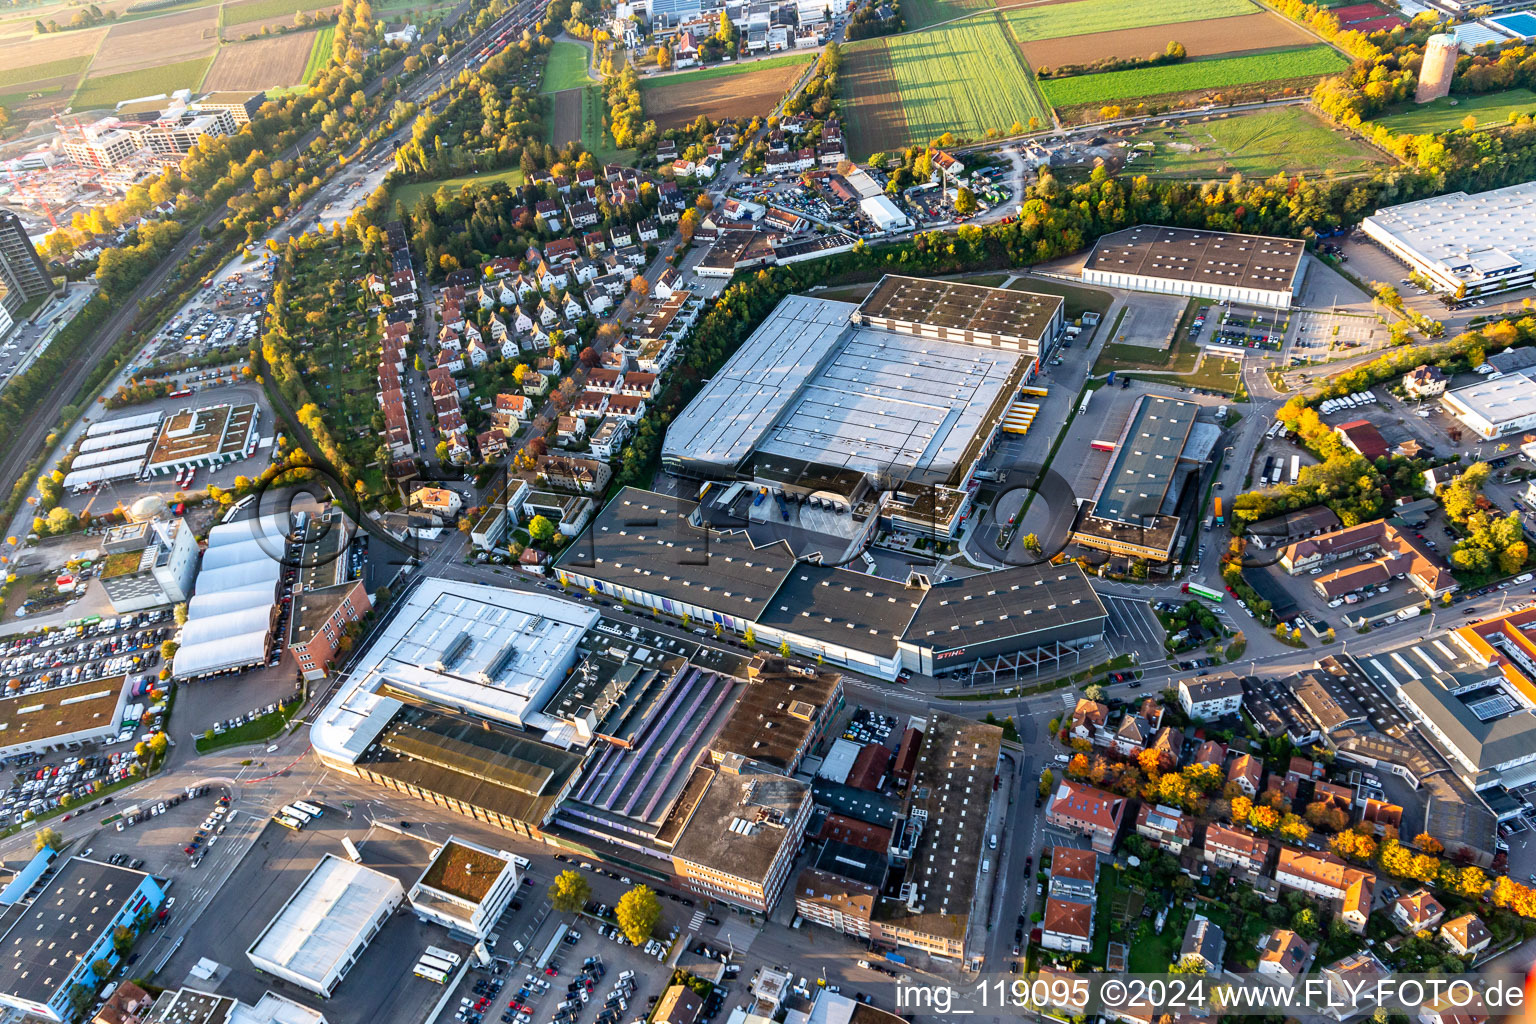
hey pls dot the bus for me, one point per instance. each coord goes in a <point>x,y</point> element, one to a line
<point>1295,468</point>
<point>294,812</point>
<point>1206,592</point>
<point>443,954</point>
<point>287,822</point>
<point>309,809</point>
<point>431,974</point>
<point>436,963</point>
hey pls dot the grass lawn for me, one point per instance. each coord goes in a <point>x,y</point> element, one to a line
<point>411,192</point>
<point>566,68</point>
<point>1152,953</point>
<point>1217,373</point>
<point>1449,111</point>
<point>722,70</point>
<point>259,10</point>
<point>1193,76</point>
<point>107,90</point>
<point>922,13</point>
<point>11,77</point>
<point>1080,300</point>
<point>1083,17</point>
<point>254,731</point>
<point>1180,357</point>
<point>1256,145</point>
<point>319,52</point>
<point>966,78</point>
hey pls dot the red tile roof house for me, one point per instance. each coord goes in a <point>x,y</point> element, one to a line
<point>1362,436</point>
<point>1466,935</point>
<point>1417,912</point>
<point>1089,812</point>
<point>1068,925</point>
<point>1235,848</point>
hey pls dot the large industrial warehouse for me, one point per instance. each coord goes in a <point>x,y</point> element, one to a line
<point>646,548</point>
<point>1481,243</point>
<point>1495,407</point>
<point>1215,265</point>
<point>233,609</point>
<point>903,392</point>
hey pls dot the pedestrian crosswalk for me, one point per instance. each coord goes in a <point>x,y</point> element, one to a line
<point>1069,700</point>
<point>697,922</point>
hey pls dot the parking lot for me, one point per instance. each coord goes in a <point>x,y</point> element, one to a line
<point>1132,621</point>
<point>1320,336</point>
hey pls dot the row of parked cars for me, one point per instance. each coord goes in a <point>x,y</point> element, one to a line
<point>38,790</point>
<point>114,647</point>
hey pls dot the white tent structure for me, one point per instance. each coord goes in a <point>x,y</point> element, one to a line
<point>229,619</point>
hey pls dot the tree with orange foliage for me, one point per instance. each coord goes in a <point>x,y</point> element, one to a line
<point>1098,771</point>
<point>1077,768</point>
<point>1263,819</point>
<point>1428,844</point>
<point>1151,762</point>
<point>1242,807</point>
<point>1353,846</point>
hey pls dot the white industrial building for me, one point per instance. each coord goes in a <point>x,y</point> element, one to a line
<point>1496,407</point>
<point>884,214</point>
<point>230,618</point>
<point>1218,265</point>
<point>148,564</point>
<point>113,450</point>
<point>466,888</point>
<point>487,651</point>
<point>1483,243</point>
<point>326,924</point>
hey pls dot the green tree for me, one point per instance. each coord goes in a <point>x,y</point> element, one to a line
<point>784,649</point>
<point>122,940</point>
<point>168,649</point>
<point>965,201</point>
<point>101,968</point>
<point>1047,779</point>
<point>48,837</point>
<point>569,892</point>
<point>158,744</point>
<point>541,529</point>
<point>638,911</point>
<point>180,613</point>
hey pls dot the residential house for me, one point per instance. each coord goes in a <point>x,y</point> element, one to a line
<point>648,230</point>
<point>1073,871</point>
<point>509,412</point>
<point>1089,717</point>
<point>573,308</point>
<point>1424,382</point>
<point>570,430</point>
<point>595,243</point>
<point>1247,772</point>
<point>1067,925</point>
<point>590,403</point>
<point>1351,983</point>
<point>550,213</point>
<point>1087,811</point>
<point>1204,944</point>
<point>597,300</point>
<point>608,439</point>
<point>492,444</point>
<point>1317,874</point>
<point>1417,912</point>
<point>584,476</point>
<point>1466,935</point>
<point>639,385</point>
<point>666,284</point>
<point>450,360</point>
<point>622,234</point>
<point>1284,955</point>
<point>626,407</point>
<point>1136,730</point>
<point>1169,827</point>
<point>1211,697</point>
<point>476,354</point>
<point>583,215</point>
<point>1211,752</point>
<point>1235,848</point>
<point>1355,909</point>
<point>606,381</point>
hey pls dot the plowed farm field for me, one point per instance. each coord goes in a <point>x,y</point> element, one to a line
<point>155,42</point>
<point>261,63</point>
<point>1240,34</point>
<point>676,100</point>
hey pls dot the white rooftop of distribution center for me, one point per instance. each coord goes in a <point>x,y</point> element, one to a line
<point>1501,400</point>
<point>324,921</point>
<point>489,651</point>
<point>1489,233</point>
<point>809,385</point>
<point>230,617</point>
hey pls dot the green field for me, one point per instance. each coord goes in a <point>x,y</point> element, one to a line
<point>1083,17</point>
<point>593,135</point>
<point>965,78</point>
<point>42,72</point>
<point>412,191</point>
<point>259,10</point>
<point>1449,111</point>
<point>566,68</point>
<point>12,100</point>
<point>1255,145</point>
<point>320,52</point>
<point>722,71</point>
<point>1193,76</point>
<point>922,13</point>
<point>108,90</point>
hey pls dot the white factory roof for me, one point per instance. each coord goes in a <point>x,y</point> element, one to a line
<point>122,437</point>
<point>839,760</point>
<point>808,386</point>
<point>107,456</point>
<point>325,920</point>
<point>96,474</point>
<point>724,422</point>
<point>884,213</point>
<point>490,651</point>
<point>1470,36</point>
<point>143,419</point>
<point>1489,234</point>
<point>229,618</point>
<point>1501,400</point>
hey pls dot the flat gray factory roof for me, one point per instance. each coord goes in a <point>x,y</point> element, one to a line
<point>1502,400</point>
<point>1482,234</point>
<point>644,540</point>
<point>996,605</point>
<point>1017,316</point>
<point>1145,459</point>
<point>724,421</point>
<point>841,606</point>
<point>1209,257</point>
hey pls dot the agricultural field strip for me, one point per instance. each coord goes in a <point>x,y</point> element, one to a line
<point>724,71</point>
<point>1085,17</point>
<point>40,72</point>
<point>940,71</point>
<point>319,52</point>
<point>1439,116</point>
<point>566,68</point>
<point>1216,73</point>
<point>232,14</point>
<point>101,91</point>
